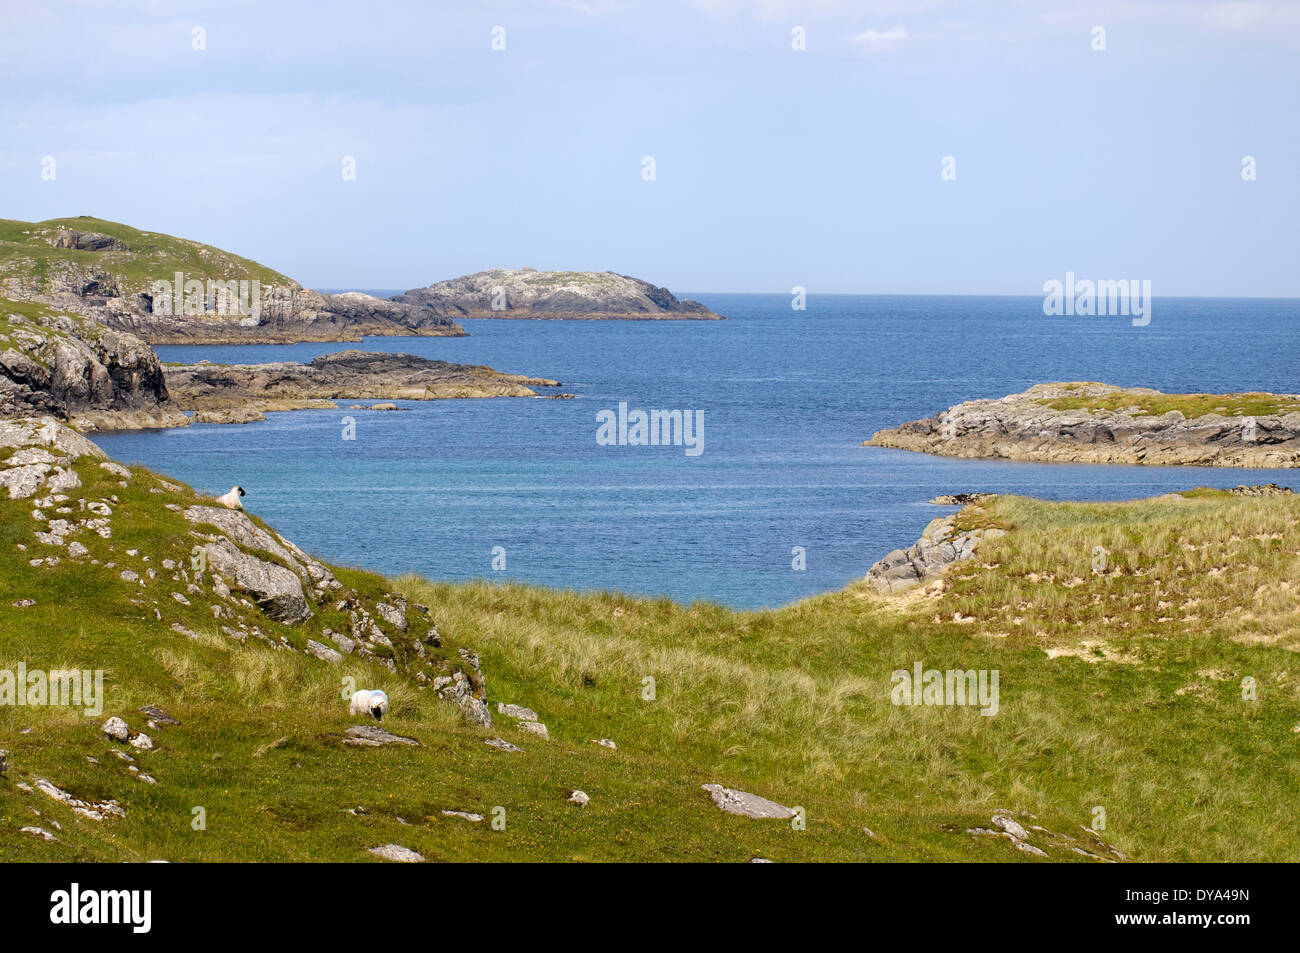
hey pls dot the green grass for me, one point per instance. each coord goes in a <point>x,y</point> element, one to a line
<point>1189,405</point>
<point>25,249</point>
<point>1101,705</point>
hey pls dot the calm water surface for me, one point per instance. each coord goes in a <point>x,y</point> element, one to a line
<point>787,396</point>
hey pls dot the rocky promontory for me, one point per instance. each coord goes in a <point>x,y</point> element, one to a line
<point>1091,422</point>
<point>168,290</point>
<point>233,393</point>
<point>93,377</point>
<point>529,293</point>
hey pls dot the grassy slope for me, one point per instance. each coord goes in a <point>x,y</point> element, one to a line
<point>152,256</point>
<point>792,704</point>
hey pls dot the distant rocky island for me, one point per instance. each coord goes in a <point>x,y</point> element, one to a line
<point>580,295</point>
<point>168,290</point>
<point>1089,422</point>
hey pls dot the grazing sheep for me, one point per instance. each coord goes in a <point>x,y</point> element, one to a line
<point>231,500</point>
<point>369,701</point>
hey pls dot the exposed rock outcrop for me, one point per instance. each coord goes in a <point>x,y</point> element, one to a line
<point>529,293</point>
<point>247,389</point>
<point>372,736</point>
<point>398,853</point>
<point>940,545</point>
<point>169,290</point>
<point>746,805</point>
<point>1075,423</point>
<point>90,376</point>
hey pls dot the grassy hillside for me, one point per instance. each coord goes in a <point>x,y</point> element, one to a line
<point>26,250</point>
<point>1120,689</point>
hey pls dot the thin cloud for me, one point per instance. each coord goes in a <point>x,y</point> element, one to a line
<point>881,39</point>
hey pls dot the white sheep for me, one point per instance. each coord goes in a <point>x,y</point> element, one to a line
<point>231,500</point>
<point>371,701</point>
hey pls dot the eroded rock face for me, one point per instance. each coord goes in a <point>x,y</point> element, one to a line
<point>529,293</point>
<point>1022,427</point>
<point>70,368</point>
<point>87,241</point>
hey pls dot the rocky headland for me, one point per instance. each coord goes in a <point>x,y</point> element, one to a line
<point>529,293</point>
<point>94,377</point>
<point>234,393</point>
<point>91,376</point>
<point>168,290</point>
<point>1099,423</point>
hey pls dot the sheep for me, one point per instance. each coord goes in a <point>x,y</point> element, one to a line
<point>368,700</point>
<point>231,500</point>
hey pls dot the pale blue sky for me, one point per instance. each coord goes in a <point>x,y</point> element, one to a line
<point>775,168</point>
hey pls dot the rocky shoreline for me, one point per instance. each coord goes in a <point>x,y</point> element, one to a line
<point>238,393</point>
<point>97,378</point>
<point>1090,422</point>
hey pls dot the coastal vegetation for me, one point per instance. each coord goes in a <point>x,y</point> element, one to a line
<point>1145,653</point>
<point>1143,401</point>
<point>1089,422</point>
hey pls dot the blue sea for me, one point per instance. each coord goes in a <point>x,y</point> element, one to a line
<point>787,398</point>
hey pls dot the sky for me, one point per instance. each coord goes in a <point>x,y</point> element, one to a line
<point>774,166</point>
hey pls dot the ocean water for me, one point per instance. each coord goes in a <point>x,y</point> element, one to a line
<point>787,398</point>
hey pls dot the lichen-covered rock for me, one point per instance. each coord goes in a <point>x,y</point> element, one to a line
<point>461,689</point>
<point>240,529</point>
<point>398,853</point>
<point>517,711</point>
<point>323,652</point>
<point>746,805</point>
<point>535,728</point>
<point>94,810</point>
<point>77,370</point>
<point>275,589</point>
<point>940,545</point>
<point>372,736</point>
